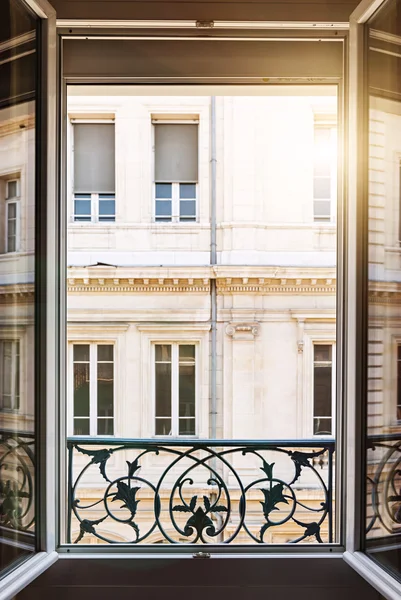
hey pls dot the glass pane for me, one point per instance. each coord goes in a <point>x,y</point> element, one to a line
<point>12,210</point>
<point>82,207</point>
<point>107,207</point>
<point>163,208</point>
<point>19,142</point>
<point>187,190</point>
<point>81,352</point>
<point>163,426</point>
<point>163,390</point>
<point>323,352</point>
<point>322,392</point>
<point>105,389</point>
<point>163,190</point>
<point>322,208</point>
<point>321,168</point>
<point>186,352</point>
<point>81,426</point>
<point>322,426</point>
<point>187,208</point>
<point>187,390</point>
<point>382,526</point>
<point>163,352</point>
<point>105,427</point>
<point>321,187</point>
<point>11,189</point>
<point>81,389</point>
<point>187,427</point>
<point>11,244</point>
<point>105,353</point>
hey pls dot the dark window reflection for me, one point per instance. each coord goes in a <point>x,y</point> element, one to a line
<point>18,56</point>
<point>383,506</point>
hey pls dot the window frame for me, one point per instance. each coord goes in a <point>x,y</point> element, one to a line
<point>93,407</point>
<point>17,201</point>
<point>333,388</point>
<point>94,196</point>
<point>175,418</point>
<point>175,218</point>
<point>14,341</point>
<point>332,126</point>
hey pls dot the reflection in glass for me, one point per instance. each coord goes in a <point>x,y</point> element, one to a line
<point>383,501</point>
<point>18,46</point>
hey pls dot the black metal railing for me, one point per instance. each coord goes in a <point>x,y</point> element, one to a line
<point>200,492</point>
<point>384,485</point>
<point>17,482</point>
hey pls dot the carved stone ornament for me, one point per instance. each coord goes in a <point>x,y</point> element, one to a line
<point>243,331</point>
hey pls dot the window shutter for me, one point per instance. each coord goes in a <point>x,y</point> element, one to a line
<point>176,149</point>
<point>94,157</point>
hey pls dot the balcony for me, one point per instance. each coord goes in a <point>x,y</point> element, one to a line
<point>200,491</point>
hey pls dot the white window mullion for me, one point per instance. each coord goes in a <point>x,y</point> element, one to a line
<point>175,389</point>
<point>176,202</point>
<point>95,208</point>
<point>93,390</point>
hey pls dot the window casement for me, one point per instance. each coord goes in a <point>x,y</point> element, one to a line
<point>93,389</point>
<point>175,389</point>
<point>323,389</point>
<point>12,220</point>
<point>10,374</point>
<point>175,172</point>
<point>94,172</point>
<point>324,173</point>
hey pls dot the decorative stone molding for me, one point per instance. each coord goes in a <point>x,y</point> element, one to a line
<point>265,286</point>
<point>118,286</point>
<point>17,293</point>
<point>243,331</point>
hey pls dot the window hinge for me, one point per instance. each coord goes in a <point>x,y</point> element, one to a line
<point>201,555</point>
<point>205,24</point>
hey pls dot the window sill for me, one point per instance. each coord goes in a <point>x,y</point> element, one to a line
<point>378,578</point>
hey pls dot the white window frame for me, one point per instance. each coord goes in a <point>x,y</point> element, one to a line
<point>14,342</point>
<point>175,185</point>
<point>333,388</point>
<point>175,204</point>
<point>93,416</point>
<point>94,216</point>
<point>94,196</point>
<point>17,201</point>
<point>174,387</point>
<point>331,219</point>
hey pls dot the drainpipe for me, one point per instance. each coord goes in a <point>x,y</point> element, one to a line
<point>213,262</point>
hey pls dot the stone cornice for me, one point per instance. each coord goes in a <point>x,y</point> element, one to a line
<point>225,285</point>
<point>17,125</point>
<point>17,294</point>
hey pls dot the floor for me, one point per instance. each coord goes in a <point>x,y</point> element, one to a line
<point>194,579</point>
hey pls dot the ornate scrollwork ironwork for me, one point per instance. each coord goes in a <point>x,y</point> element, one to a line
<point>199,492</point>
<point>17,466</point>
<point>384,485</point>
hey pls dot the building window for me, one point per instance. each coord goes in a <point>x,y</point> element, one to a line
<point>176,172</point>
<point>324,173</point>
<point>175,389</point>
<point>10,374</point>
<point>323,393</point>
<point>94,172</point>
<point>93,389</point>
<point>12,215</point>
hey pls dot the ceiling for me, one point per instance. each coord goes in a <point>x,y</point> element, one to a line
<point>225,10</point>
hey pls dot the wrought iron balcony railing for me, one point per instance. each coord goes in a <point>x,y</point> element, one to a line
<point>17,483</point>
<point>200,491</point>
<point>384,487</point>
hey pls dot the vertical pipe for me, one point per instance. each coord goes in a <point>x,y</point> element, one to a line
<point>213,261</point>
